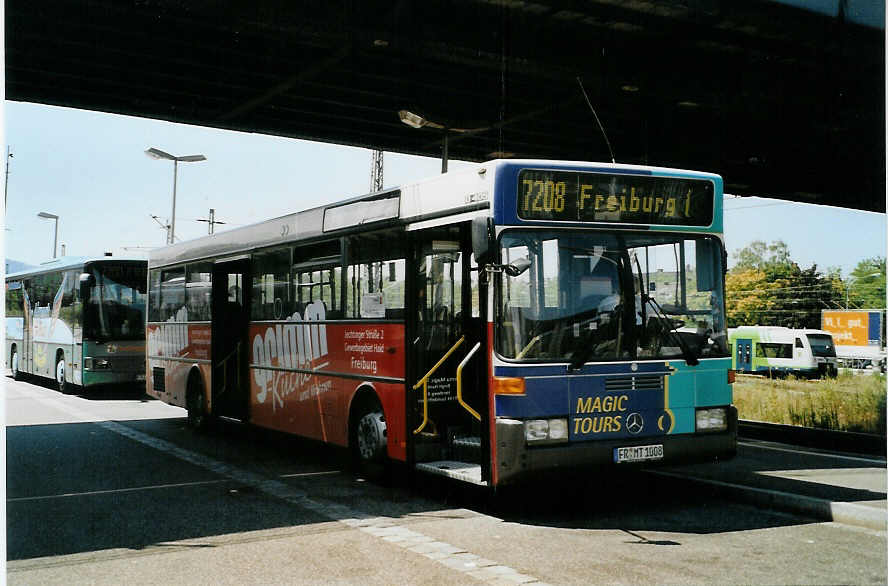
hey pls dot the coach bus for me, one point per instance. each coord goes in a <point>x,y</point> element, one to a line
<point>780,351</point>
<point>487,325</point>
<point>78,320</point>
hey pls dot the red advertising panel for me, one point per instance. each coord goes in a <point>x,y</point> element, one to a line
<point>303,375</point>
<point>184,342</point>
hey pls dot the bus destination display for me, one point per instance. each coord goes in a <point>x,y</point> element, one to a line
<point>572,196</point>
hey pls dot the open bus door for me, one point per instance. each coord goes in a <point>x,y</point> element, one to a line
<point>448,414</point>
<point>231,307</point>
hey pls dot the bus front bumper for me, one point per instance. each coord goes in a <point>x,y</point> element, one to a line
<point>515,460</point>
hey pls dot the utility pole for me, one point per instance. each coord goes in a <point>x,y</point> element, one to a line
<point>6,186</point>
<point>211,221</point>
<point>376,181</point>
<point>164,226</point>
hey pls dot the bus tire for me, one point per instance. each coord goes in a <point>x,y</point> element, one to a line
<point>14,364</point>
<point>61,382</point>
<point>369,440</point>
<point>195,401</point>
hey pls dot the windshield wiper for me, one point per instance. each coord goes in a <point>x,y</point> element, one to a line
<point>669,327</point>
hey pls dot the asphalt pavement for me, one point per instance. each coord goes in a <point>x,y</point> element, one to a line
<point>819,484</point>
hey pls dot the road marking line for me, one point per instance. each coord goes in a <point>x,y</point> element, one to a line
<point>447,555</point>
<point>113,491</point>
<point>304,474</point>
<point>806,452</point>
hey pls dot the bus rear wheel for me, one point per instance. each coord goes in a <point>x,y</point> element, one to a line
<point>195,401</point>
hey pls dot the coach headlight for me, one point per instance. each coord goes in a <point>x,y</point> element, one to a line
<point>539,431</point>
<point>96,363</point>
<point>712,419</point>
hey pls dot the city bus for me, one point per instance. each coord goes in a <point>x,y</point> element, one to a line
<point>781,351</point>
<point>79,321</point>
<point>488,325</point>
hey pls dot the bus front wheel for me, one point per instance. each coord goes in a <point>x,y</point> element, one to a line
<point>369,441</point>
<point>62,384</point>
<point>14,365</point>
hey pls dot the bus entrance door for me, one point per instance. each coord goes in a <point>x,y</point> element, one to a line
<point>231,391</point>
<point>446,405</point>
<point>26,351</point>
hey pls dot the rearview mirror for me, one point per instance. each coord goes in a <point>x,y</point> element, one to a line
<point>517,267</point>
<point>481,237</point>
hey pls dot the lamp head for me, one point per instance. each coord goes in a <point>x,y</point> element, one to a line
<point>159,154</point>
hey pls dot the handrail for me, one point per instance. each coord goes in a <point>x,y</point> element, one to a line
<point>459,369</point>
<point>424,382</point>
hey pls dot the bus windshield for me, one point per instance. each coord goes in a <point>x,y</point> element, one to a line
<point>822,345</point>
<point>114,302</point>
<point>605,296</point>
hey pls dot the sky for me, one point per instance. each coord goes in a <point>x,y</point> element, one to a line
<point>91,170</point>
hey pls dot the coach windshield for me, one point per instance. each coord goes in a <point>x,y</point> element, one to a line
<point>591,296</point>
<point>114,299</point>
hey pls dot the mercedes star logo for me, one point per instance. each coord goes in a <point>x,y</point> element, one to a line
<point>635,423</point>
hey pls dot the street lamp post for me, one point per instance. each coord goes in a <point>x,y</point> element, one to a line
<point>416,121</point>
<point>159,154</point>
<point>48,216</point>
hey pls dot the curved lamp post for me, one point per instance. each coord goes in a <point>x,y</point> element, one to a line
<point>159,154</point>
<point>416,121</point>
<point>55,240</point>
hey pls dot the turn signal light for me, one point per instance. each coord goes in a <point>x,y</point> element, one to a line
<point>507,385</point>
<point>732,376</point>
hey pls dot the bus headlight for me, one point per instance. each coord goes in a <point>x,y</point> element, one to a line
<point>538,431</point>
<point>96,364</point>
<point>712,419</point>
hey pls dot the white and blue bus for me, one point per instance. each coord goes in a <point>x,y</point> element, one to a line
<point>489,325</point>
<point>79,321</point>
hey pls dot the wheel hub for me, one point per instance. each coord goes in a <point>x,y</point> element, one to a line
<point>371,436</point>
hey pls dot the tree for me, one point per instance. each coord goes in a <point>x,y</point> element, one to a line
<point>865,287</point>
<point>767,288</point>
<point>748,296</point>
<point>758,255</point>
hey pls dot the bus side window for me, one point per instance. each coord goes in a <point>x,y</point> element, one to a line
<point>71,306</point>
<point>14,299</point>
<point>172,295</point>
<point>198,291</point>
<point>154,299</point>
<point>271,292</point>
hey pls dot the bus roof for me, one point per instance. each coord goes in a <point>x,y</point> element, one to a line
<point>68,262</point>
<point>465,191</point>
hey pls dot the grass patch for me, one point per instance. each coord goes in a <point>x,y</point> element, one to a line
<point>847,403</point>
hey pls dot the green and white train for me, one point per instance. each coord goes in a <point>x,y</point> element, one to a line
<point>779,351</point>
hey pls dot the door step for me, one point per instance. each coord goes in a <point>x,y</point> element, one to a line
<point>464,471</point>
<point>466,449</point>
<point>467,442</point>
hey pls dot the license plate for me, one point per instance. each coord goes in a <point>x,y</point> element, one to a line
<point>638,453</point>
